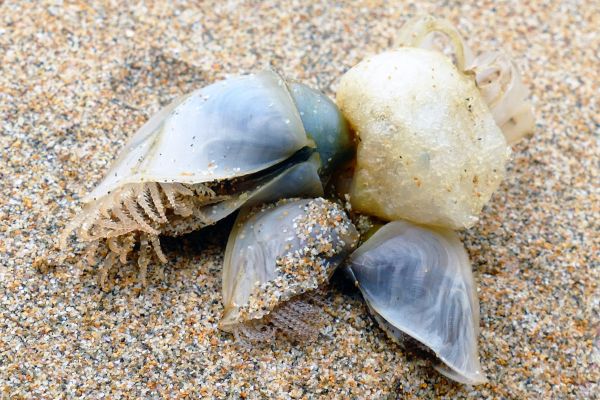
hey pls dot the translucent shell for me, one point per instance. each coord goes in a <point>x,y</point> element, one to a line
<point>432,133</point>
<point>278,254</point>
<point>292,179</point>
<point>225,130</point>
<point>429,149</point>
<point>325,124</point>
<point>418,282</point>
<point>242,141</point>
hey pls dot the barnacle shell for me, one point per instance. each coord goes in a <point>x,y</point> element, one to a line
<point>417,281</point>
<point>279,253</point>
<point>225,130</point>
<point>432,135</point>
<point>241,141</point>
<point>229,129</point>
<point>325,124</point>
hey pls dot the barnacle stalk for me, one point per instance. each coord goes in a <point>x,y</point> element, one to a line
<point>496,75</point>
<point>418,33</point>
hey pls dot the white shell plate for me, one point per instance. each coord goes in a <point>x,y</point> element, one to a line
<point>419,280</point>
<point>228,129</point>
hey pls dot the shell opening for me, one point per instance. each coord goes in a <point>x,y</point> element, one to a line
<point>496,75</point>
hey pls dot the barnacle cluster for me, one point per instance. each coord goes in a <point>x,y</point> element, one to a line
<point>425,146</point>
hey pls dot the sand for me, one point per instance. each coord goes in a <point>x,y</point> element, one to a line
<point>77,79</point>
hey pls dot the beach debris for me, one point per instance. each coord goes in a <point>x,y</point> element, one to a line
<point>432,136</point>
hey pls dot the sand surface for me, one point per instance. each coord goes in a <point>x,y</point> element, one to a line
<point>77,79</point>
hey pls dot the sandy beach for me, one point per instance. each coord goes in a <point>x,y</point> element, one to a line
<point>77,78</point>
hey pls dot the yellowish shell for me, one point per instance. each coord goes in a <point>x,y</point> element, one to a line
<point>429,149</point>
